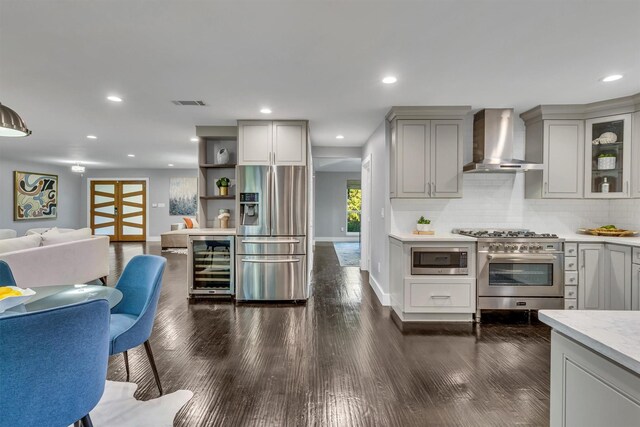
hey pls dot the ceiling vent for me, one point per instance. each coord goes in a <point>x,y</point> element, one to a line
<point>190,103</point>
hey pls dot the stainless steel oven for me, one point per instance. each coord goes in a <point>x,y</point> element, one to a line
<point>439,261</point>
<point>520,274</point>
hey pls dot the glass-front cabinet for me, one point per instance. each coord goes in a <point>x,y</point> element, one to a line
<point>211,265</point>
<point>608,157</point>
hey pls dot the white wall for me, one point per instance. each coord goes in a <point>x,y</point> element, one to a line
<point>331,205</point>
<point>159,218</point>
<point>376,146</point>
<point>625,213</point>
<point>69,199</point>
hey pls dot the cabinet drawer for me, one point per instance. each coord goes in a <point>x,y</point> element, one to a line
<point>571,263</point>
<point>447,297</point>
<point>570,304</point>
<point>570,292</point>
<point>636,256</point>
<point>571,278</point>
<point>571,249</point>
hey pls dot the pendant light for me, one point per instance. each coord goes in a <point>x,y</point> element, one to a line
<point>11,124</point>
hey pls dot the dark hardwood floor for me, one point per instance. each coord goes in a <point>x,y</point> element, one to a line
<point>339,360</point>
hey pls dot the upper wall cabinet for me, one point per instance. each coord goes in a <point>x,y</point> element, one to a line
<point>426,152</point>
<point>559,146</point>
<point>608,157</point>
<point>588,151</point>
<point>264,142</point>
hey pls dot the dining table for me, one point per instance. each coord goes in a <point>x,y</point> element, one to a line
<point>47,297</point>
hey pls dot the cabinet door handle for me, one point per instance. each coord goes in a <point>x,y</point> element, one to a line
<point>429,188</point>
<point>546,188</point>
<point>626,187</point>
<point>440,296</point>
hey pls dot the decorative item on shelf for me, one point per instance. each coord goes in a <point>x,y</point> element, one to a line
<point>606,138</point>
<point>606,161</point>
<point>224,219</point>
<point>604,187</point>
<point>223,185</point>
<point>424,226</point>
<point>222,156</point>
<point>35,196</point>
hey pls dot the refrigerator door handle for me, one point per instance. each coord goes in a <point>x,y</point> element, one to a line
<point>274,242</point>
<point>271,261</point>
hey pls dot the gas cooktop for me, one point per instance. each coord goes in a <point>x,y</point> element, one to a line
<point>504,234</point>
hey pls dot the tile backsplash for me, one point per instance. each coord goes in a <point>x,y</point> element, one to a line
<point>497,200</point>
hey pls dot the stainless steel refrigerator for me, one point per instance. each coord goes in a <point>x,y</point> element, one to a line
<point>271,261</point>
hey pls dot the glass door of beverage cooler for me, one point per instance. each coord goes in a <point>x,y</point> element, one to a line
<point>608,157</point>
<point>211,265</point>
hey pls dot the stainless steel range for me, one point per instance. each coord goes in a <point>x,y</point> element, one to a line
<point>518,270</point>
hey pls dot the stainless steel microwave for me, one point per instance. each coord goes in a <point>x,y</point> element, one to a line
<point>439,261</point>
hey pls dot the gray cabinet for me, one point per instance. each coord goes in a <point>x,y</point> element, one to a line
<point>426,158</point>
<point>618,277</point>
<point>608,164</point>
<point>605,277</point>
<point>559,146</point>
<point>591,277</point>
<point>635,287</point>
<point>635,152</point>
<point>265,142</point>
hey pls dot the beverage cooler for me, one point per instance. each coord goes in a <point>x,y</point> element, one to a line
<point>211,266</point>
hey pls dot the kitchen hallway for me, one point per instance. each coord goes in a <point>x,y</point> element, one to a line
<point>339,360</point>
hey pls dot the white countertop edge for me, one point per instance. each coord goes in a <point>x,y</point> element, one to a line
<point>615,353</point>
<point>438,237</point>
<point>586,238</point>
<point>211,232</point>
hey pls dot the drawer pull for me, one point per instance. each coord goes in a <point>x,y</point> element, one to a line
<point>572,279</point>
<point>269,242</point>
<point>271,261</point>
<point>440,296</point>
<point>572,265</point>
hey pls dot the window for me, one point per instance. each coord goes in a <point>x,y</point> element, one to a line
<point>354,206</point>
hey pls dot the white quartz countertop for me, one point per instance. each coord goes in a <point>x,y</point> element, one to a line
<point>614,334</point>
<point>586,238</point>
<point>211,231</point>
<point>438,237</point>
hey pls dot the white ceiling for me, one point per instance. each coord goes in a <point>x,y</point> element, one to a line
<point>332,164</point>
<point>318,60</point>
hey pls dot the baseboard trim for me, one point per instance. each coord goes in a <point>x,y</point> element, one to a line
<point>153,238</point>
<point>336,239</point>
<point>383,297</point>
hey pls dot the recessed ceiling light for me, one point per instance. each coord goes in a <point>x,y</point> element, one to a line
<point>170,165</point>
<point>195,139</point>
<point>92,137</point>
<point>340,137</point>
<point>612,78</point>
<point>131,155</point>
<point>265,111</point>
<point>389,80</point>
<point>114,98</point>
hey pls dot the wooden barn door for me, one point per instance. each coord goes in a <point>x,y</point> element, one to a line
<point>119,210</point>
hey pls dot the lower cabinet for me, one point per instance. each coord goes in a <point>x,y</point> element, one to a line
<point>635,287</point>
<point>587,389</point>
<point>605,277</point>
<point>439,295</point>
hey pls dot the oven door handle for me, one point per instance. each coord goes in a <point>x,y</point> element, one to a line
<point>505,257</point>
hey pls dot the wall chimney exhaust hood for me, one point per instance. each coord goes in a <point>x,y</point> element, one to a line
<point>493,143</point>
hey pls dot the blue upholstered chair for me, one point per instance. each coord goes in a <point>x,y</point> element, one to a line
<point>53,364</point>
<point>132,319</point>
<point>6,276</point>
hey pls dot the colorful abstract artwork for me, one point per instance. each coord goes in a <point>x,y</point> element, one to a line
<point>183,196</point>
<point>36,196</point>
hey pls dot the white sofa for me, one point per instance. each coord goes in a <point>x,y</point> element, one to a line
<point>71,262</point>
<point>7,233</point>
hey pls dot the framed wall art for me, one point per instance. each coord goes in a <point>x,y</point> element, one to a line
<point>35,196</point>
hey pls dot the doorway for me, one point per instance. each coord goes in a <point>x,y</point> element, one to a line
<point>118,209</point>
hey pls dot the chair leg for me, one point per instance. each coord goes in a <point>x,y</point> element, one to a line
<point>152,361</point>
<point>86,421</point>
<point>77,424</point>
<point>126,363</point>
<point>104,279</point>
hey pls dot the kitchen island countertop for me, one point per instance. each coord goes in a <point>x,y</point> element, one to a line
<point>614,334</point>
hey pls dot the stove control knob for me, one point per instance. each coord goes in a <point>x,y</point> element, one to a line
<point>524,247</point>
<point>509,247</point>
